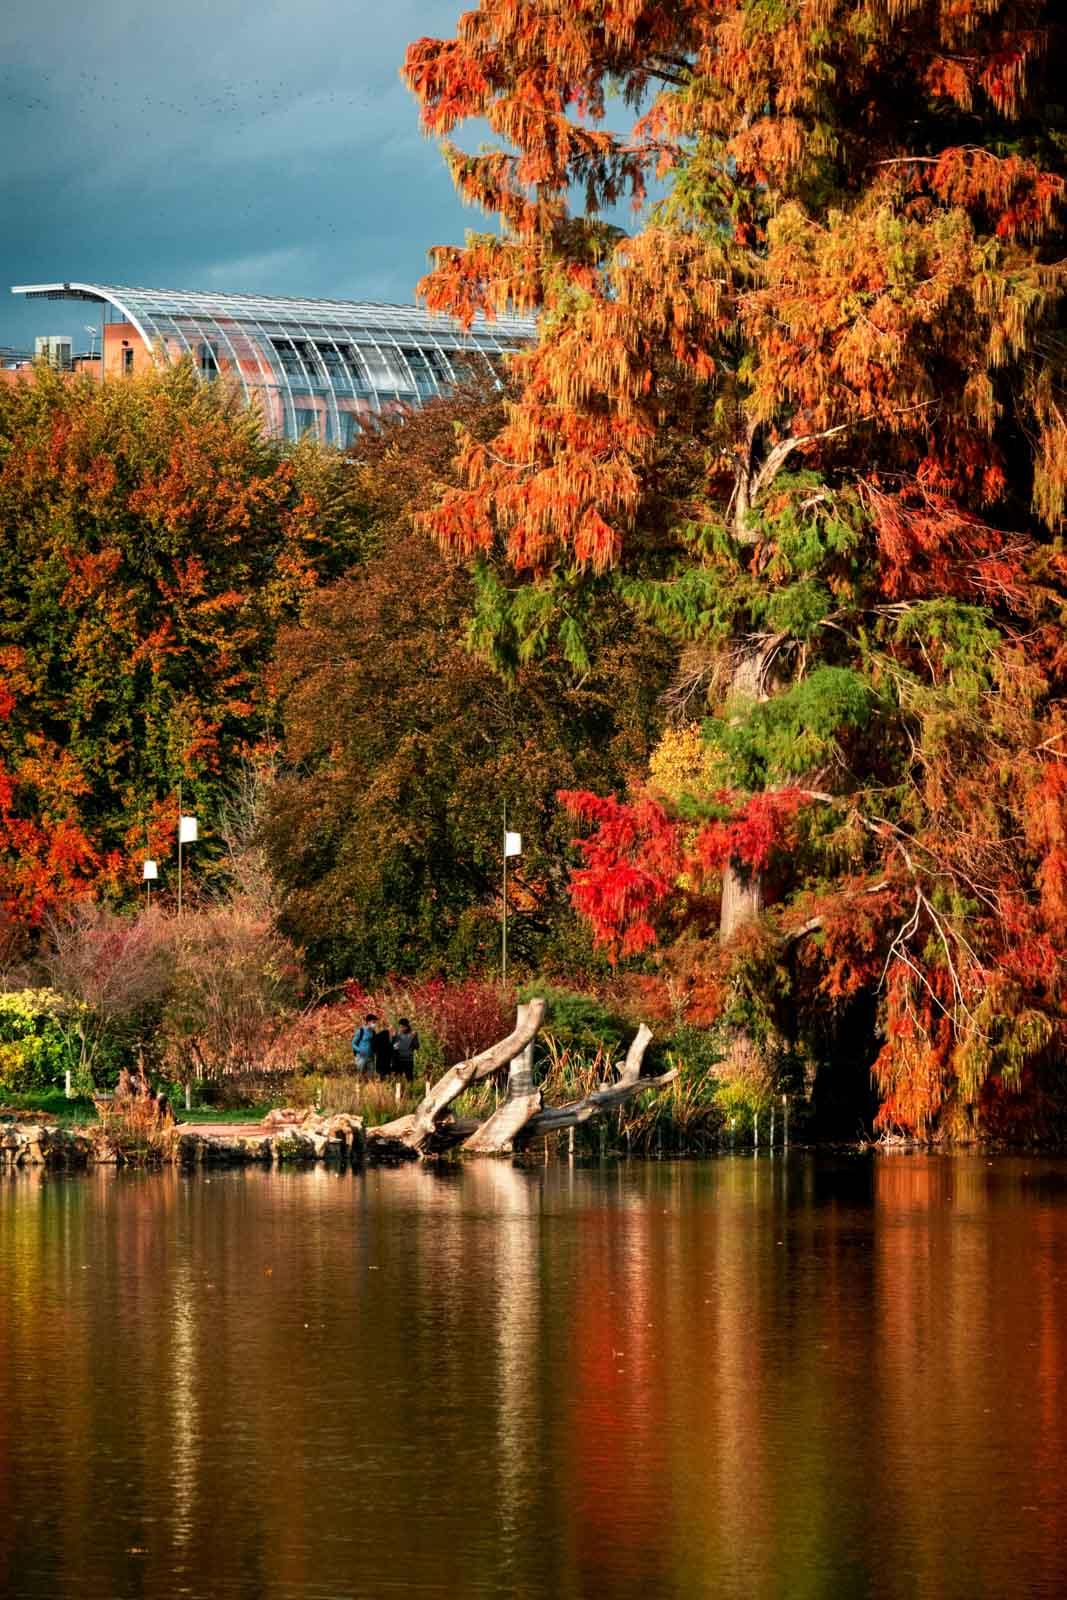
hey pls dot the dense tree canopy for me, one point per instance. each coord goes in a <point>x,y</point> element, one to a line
<point>850,295</point>
<point>151,539</point>
<point>401,744</point>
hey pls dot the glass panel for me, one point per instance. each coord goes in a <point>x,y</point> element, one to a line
<point>386,371</point>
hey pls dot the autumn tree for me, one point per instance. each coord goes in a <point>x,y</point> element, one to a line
<point>151,540</point>
<point>399,744</point>
<point>845,276</point>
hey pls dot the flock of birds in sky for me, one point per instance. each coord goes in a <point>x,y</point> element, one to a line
<point>184,142</point>
<point>253,101</point>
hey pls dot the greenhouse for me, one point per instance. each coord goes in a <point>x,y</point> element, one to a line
<point>309,366</point>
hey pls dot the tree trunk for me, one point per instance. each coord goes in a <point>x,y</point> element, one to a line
<point>523,1101</point>
<point>742,888</point>
<point>742,899</point>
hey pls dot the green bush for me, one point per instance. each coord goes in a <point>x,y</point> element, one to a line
<point>580,1021</point>
<point>694,1051</point>
<point>33,1051</point>
<point>740,1103</point>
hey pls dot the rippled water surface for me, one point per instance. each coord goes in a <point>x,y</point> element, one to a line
<point>812,1377</point>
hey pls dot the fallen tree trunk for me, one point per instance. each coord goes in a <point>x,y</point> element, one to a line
<point>522,1115</point>
<point>417,1128</point>
<point>553,1118</point>
<point>523,1101</point>
<point>497,1135</point>
<point>630,1082</point>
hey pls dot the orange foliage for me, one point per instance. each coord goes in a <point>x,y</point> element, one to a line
<point>858,265</point>
<point>152,540</point>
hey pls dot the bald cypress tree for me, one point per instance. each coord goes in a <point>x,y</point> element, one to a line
<point>845,283</point>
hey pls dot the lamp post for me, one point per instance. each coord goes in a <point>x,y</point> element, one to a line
<point>150,874</point>
<point>188,833</point>
<point>512,847</point>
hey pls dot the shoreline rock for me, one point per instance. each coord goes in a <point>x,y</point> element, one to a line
<point>289,1138</point>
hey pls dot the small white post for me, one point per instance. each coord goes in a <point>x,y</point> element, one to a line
<point>785,1121</point>
<point>188,833</point>
<point>512,847</point>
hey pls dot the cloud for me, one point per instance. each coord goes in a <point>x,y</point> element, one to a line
<point>237,144</point>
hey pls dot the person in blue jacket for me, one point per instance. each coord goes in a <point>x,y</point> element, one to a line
<point>363,1042</point>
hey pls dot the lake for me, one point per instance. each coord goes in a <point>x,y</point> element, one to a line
<point>778,1376</point>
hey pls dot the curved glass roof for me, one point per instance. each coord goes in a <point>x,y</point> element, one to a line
<point>309,365</point>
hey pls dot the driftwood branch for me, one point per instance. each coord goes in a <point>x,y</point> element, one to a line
<point>630,1070</point>
<point>522,1118</point>
<point>498,1134</point>
<point>553,1118</point>
<point>521,1115</point>
<point>418,1127</point>
<point>630,1082</point>
<point>523,1101</point>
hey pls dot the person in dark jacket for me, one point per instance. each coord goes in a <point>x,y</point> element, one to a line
<point>383,1052</point>
<point>405,1044</point>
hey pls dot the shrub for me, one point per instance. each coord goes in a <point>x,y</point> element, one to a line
<point>316,1040</point>
<point>34,1051</point>
<point>138,1124</point>
<point>113,973</point>
<point>581,1022</point>
<point>694,1051</point>
<point>236,983</point>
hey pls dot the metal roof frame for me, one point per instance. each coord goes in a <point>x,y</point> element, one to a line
<point>170,322</point>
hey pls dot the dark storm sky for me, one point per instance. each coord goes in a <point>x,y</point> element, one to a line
<point>263,145</point>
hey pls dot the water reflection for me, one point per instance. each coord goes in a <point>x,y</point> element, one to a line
<point>740,1378</point>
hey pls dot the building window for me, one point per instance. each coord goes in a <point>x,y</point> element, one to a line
<point>208,359</point>
<point>300,360</point>
<point>307,421</point>
<point>424,373</point>
<point>55,353</point>
<point>127,358</point>
<point>330,357</point>
<point>355,369</point>
<point>385,369</point>
<point>289,357</point>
